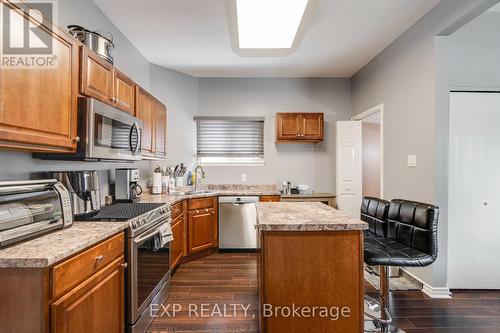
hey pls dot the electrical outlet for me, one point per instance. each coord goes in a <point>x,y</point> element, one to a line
<point>412,161</point>
<point>243,177</point>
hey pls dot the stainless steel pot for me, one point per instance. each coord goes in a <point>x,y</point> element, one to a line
<point>95,41</point>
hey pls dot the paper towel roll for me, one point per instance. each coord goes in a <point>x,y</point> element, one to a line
<point>156,189</point>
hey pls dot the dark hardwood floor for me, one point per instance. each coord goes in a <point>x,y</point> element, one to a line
<point>224,279</point>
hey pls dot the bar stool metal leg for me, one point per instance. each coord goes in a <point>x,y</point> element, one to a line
<point>382,322</point>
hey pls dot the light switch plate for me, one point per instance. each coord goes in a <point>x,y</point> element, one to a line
<point>243,177</point>
<point>412,161</point>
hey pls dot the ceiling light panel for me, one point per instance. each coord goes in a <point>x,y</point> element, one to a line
<point>268,24</point>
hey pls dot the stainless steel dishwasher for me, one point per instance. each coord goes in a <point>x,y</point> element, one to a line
<point>237,219</point>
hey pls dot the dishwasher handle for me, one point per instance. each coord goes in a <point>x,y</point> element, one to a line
<point>238,200</point>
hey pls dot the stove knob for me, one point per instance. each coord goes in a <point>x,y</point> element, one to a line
<point>134,224</point>
<point>143,221</point>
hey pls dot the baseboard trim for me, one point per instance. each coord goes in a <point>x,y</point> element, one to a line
<point>433,292</point>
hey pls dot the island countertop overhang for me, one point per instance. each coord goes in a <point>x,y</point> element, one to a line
<point>304,216</point>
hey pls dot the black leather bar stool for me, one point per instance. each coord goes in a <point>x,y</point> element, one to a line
<point>408,238</point>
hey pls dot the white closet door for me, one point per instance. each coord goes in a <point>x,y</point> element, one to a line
<point>349,166</point>
<point>474,191</point>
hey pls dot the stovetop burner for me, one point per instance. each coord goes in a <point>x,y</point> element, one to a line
<point>120,212</point>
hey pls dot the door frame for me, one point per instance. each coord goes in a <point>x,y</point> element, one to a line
<point>359,117</point>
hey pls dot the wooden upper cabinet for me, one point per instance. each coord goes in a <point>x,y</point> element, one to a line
<point>312,126</point>
<point>38,110</point>
<point>153,114</point>
<point>100,80</point>
<point>287,126</point>
<point>160,128</point>
<point>144,111</point>
<point>124,92</point>
<point>299,127</point>
<point>96,76</point>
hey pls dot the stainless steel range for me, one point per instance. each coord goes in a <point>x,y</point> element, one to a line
<point>148,259</point>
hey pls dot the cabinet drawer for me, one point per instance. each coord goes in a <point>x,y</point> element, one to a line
<point>270,198</point>
<point>201,203</point>
<point>73,271</point>
<point>176,210</point>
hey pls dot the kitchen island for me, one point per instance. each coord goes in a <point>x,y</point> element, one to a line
<point>311,270</point>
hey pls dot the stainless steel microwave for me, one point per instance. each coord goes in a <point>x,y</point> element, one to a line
<point>32,208</point>
<point>104,134</point>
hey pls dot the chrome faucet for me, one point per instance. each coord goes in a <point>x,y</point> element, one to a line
<point>203,175</point>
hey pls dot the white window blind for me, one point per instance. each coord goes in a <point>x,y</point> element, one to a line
<point>230,137</point>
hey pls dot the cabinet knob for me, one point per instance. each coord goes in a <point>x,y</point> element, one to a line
<point>124,265</point>
<point>76,139</point>
<point>206,210</point>
<point>99,258</point>
<point>197,211</point>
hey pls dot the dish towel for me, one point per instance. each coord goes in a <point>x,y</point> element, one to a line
<point>164,236</point>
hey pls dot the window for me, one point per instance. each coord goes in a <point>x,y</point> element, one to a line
<point>230,140</point>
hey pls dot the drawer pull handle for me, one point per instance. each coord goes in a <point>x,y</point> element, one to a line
<point>99,258</point>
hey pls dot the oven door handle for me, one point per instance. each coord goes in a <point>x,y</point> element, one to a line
<point>149,234</point>
<point>143,238</point>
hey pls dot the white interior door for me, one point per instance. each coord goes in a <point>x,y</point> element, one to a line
<point>348,144</point>
<point>474,191</point>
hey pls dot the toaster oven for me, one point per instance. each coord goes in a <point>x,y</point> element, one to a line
<point>32,208</point>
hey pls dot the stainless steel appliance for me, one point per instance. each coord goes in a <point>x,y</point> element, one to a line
<point>127,188</point>
<point>148,270</point>
<point>104,133</point>
<point>32,208</point>
<point>95,41</point>
<point>237,219</point>
<point>83,188</point>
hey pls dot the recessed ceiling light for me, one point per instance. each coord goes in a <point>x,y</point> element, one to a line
<point>268,24</point>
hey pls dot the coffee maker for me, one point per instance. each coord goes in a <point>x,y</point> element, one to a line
<point>127,188</point>
<point>83,188</point>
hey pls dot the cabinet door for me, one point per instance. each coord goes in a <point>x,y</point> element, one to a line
<point>96,77</point>
<point>312,126</point>
<point>38,108</point>
<point>124,92</point>
<point>287,126</point>
<point>201,230</point>
<point>160,128</point>
<point>270,198</point>
<point>96,305</point>
<point>144,111</point>
<point>177,243</point>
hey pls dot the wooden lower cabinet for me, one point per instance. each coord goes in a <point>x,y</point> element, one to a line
<point>270,198</point>
<point>176,249</point>
<point>96,305</point>
<point>201,230</point>
<point>202,224</point>
<point>56,299</point>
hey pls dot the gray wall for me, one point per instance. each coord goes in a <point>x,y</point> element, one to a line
<point>301,163</point>
<point>127,58</point>
<point>179,92</point>
<point>474,53</point>
<point>406,79</point>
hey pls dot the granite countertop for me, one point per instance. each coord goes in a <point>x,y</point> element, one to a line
<point>311,195</point>
<point>214,190</point>
<point>304,216</point>
<point>49,249</point>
